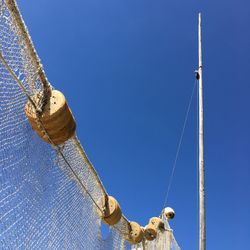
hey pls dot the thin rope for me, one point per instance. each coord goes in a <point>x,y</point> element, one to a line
<point>18,21</point>
<point>16,79</point>
<point>179,145</point>
<point>85,157</point>
<point>58,149</point>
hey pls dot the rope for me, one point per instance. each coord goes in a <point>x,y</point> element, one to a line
<point>58,149</point>
<point>12,6</point>
<point>46,91</point>
<point>179,145</point>
<point>85,157</point>
<point>16,78</point>
<point>18,21</point>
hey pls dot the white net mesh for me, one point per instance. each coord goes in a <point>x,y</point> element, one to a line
<point>164,241</point>
<point>42,203</point>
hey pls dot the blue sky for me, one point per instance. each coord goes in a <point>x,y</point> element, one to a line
<point>126,68</point>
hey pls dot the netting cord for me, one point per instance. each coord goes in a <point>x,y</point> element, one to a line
<point>18,21</point>
<point>58,149</point>
<point>38,113</point>
<point>16,79</point>
<point>179,145</point>
<point>85,157</point>
<point>17,18</point>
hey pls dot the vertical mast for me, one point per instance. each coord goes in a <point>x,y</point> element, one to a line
<point>202,231</point>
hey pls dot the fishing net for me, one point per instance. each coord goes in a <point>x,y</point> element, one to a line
<point>47,193</point>
<point>164,241</point>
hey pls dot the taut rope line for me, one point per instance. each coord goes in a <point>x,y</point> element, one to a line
<point>179,145</point>
<point>44,130</point>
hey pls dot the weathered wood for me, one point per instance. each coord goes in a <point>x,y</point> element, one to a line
<point>202,231</point>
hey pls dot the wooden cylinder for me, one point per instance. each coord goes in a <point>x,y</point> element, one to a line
<point>150,232</point>
<point>111,210</point>
<point>57,119</point>
<point>136,233</point>
<point>157,223</point>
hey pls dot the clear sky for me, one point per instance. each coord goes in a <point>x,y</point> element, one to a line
<point>127,70</point>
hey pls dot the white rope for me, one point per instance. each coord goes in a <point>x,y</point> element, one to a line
<point>179,145</point>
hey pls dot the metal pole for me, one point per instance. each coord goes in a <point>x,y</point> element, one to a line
<point>202,231</point>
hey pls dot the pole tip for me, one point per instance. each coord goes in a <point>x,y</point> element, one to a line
<point>199,17</point>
